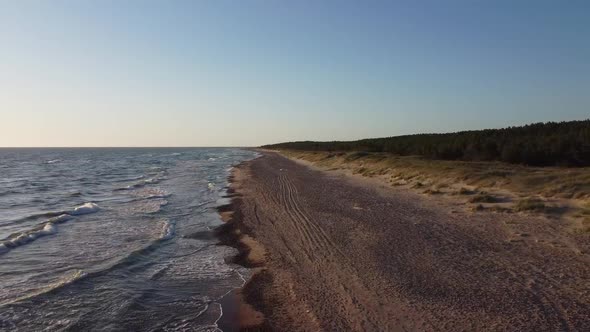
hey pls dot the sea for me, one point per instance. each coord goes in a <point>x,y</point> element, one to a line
<point>114,239</point>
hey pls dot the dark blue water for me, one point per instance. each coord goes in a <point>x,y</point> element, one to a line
<point>113,239</point>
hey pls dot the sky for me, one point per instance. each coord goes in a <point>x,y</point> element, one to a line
<point>246,73</point>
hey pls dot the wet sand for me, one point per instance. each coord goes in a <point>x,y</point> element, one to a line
<point>334,253</point>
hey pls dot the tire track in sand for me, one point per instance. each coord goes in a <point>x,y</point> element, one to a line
<point>318,237</point>
<point>297,225</point>
<point>298,218</point>
<point>321,233</point>
<point>320,246</point>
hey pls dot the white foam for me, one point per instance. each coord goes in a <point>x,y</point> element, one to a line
<point>21,239</point>
<point>61,218</point>
<point>49,228</point>
<point>168,230</point>
<point>146,206</point>
<point>151,193</point>
<point>26,237</point>
<point>134,186</point>
<point>166,195</point>
<point>140,184</point>
<point>223,201</point>
<point>53,161</point>
<point>85,208</point>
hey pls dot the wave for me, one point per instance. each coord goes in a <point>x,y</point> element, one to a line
<point>142,205</point>
<point>118,178</point>
<point>151,181</point>
<point>67,280</point>
<point>131,186</point>
<point>134,178</point>
<point>142,183</point>
<point>19,239</point>
<point>47,228</point>
<point>154,196</point>
<point>151,193</point>
<point>54,161</point>
<point>168,230</point>
<point>133,258</point>
<point>86,208</point>
<point>82,209</point>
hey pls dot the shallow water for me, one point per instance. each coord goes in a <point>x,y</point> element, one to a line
<point>100,239</point>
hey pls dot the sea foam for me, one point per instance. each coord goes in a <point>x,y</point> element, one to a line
<point>31,235</point>
<point>47,228</point>
<point>85,209</point>
<point>168,230</point>
<point>142,183</point>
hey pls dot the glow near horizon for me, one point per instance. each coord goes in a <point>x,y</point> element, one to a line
<point>215,73</point>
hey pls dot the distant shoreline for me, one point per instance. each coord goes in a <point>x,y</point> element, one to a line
<point>539,144</point>
<point>125,147</point>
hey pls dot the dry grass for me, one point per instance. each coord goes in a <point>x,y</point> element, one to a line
<point>484,198</point>
<point>465,191</point>
<point>432,191</point>
<point>521,188</point>
<point>583,215</point>
<point>478,207</point>
<point>530,204</point>
<point>545,181</point>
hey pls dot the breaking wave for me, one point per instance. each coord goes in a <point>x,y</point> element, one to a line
<point>142,183</point>
<point>67,280</point>
<point>168,230</point>
<point>47,228</point>
<point>84,209</point>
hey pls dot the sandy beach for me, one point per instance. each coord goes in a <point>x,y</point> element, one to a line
<point>335,253</point>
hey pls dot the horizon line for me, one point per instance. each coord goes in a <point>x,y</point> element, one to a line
<point>123,147</point>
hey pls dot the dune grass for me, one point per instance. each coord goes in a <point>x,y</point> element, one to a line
<point>583,215</point>
<point>544,181</point>
<point>483,198</point>
<point>530,204</point>
<point>485,185</point>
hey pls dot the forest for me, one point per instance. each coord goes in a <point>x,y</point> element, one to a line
<point>538,144</point>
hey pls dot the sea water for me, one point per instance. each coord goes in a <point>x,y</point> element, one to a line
<point>114,239</point>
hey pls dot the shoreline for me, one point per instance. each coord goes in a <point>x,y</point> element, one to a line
<point>237,311</point>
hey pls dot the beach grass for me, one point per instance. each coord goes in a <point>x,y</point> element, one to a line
<point>495,186</point>
<point>530,204</point>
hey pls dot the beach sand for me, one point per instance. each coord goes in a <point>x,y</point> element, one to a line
<point>335,253</point>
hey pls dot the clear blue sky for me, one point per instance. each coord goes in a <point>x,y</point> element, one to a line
<point>213,73</point>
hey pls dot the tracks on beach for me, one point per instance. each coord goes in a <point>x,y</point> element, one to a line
<point>403,263</point>
<point>312,235</point>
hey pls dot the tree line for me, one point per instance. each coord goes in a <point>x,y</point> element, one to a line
<point>538,144</point>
